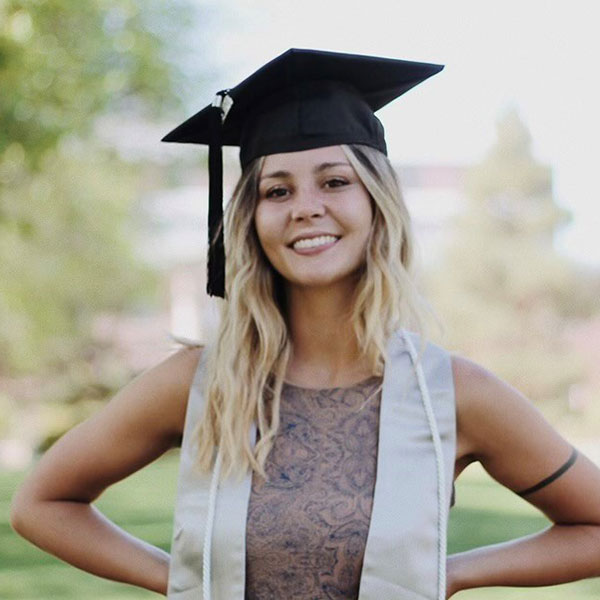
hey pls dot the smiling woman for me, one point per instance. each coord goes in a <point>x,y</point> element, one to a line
<point>318,445</point>
<point>313,219</point>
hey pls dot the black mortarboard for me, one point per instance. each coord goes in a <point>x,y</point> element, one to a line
<point>300,100</point>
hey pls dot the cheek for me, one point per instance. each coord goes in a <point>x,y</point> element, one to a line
<point>266,226</point>
<point>259,223</point>
<point>363,221</point>
<point>363,215</point>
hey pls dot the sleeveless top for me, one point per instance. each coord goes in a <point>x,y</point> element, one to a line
<point>308,522</point>
<point>405,553</point>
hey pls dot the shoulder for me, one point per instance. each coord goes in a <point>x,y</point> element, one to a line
<point>479,390</point>
<point>487,406</point>
<point>170,381</point>
<point>178,369</point>
<point>473,388</point>
<point>156,400</point>
<point>473,384</point>
<point>502,429</point>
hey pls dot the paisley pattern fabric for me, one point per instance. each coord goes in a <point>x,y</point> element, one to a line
<point>307,524</point>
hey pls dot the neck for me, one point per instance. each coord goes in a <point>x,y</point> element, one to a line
<point>325,350</point>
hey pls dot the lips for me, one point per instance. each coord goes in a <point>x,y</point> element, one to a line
<point>314,242</point>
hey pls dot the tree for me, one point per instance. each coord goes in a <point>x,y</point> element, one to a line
<point>502,289</point>
<point>66,226</point>
<point>64,62</point>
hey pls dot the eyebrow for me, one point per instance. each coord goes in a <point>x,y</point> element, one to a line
<point>318,169</point>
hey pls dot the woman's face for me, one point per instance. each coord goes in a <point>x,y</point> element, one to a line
<point>313,216</point>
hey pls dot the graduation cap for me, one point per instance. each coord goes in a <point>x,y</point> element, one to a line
<point>302,99</point>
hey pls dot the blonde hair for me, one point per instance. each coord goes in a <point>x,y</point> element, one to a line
<point>246,366</point>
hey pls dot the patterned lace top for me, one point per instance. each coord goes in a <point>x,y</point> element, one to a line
<point>307,525</point>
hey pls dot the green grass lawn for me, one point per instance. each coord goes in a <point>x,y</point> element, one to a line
<point>143,504</point>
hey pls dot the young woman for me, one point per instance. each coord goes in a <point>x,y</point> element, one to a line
<point>320,437</point>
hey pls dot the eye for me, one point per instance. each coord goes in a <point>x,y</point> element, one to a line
<point>335,182</point>
<point>276,192</point>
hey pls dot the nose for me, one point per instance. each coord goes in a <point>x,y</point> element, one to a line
<point>307,204</point>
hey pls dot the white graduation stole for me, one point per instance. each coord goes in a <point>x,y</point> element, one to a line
<point>405,555</point>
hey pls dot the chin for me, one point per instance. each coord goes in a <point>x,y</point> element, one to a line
<point>314,282</point>
<point>321,278</point>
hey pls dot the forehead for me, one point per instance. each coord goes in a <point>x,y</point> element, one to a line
<point>303,159</point>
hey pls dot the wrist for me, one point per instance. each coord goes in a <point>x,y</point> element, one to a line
<point>456,574</point>
<point>161,580</point>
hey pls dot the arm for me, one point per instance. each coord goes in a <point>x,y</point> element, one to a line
<point>53,509</point>
<point>501,429</point>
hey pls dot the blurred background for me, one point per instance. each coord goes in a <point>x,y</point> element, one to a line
<point>103,228</point>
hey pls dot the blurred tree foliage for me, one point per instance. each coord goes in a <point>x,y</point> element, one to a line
<point>63,62</point>
<point>66,226</point>
<point>502,290</point>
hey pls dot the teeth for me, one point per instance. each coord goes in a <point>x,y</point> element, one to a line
<point>314,242</point>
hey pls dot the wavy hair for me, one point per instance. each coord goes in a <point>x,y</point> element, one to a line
<point>246,366</point>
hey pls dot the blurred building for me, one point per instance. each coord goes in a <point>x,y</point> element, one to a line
<point>434,195</point>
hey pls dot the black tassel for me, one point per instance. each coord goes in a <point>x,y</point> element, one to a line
<point>215,284</point>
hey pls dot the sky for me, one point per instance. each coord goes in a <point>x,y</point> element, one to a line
<point>537,56</point>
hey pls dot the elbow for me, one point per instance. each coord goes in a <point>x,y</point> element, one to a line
<point>22,511</point>
<point>18,514</point>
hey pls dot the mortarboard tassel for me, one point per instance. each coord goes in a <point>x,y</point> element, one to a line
<point>215,284</point>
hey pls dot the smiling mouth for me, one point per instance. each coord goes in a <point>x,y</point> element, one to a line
<point>316,242</point>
